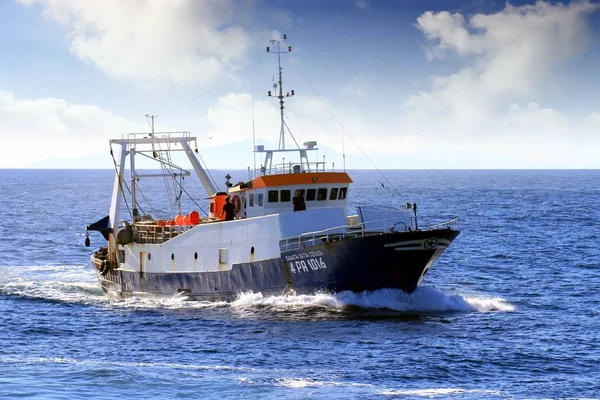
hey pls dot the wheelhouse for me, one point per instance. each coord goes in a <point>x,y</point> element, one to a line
<point>273,194</point>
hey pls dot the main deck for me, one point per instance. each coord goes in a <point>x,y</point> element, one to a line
<point>157,232</point>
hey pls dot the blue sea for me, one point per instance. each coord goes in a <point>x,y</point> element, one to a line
<point>510,311</point>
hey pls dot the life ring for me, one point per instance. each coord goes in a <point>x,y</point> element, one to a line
<point>237,203</point>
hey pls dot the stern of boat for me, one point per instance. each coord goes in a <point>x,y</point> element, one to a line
<point>107,273</point>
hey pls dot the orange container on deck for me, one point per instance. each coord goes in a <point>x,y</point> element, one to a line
<point>194,217</point>
<point>179,220</point>
<point>216,204</point>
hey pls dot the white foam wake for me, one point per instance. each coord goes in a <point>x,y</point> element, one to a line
<point>77,283</point>
<point>68,283</point>
<point>445,392</point>
<point>300,383</point>
<point>175,302</point>
<point>424,299</point>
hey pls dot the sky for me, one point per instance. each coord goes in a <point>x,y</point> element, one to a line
<point>391,84</point>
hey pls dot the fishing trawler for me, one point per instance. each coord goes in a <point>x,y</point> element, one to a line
<point>287,229</point>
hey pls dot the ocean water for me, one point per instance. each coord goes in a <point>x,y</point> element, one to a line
<point>511,310</point>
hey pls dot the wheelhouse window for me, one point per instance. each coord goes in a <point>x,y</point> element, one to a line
<point>273,196</point>
<point>285,195</point>
<point>322,194</point>
<point>333,195</point>
<point>302,192</point>
<point>261,197</point>
<point>342,194</point>
<point>311,194</point>
<point>251,199</point>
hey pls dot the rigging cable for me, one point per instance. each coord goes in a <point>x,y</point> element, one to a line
<point>185,103</point>
<point>206,168</point>
<point>290,132</point>
<point>192,199</point>
<point>344,130</point>
<point>180,183</point>
<point>164,170</point>
<point>152,209</point>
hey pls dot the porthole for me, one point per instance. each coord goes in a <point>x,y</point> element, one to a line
<point>195,256</point>
<point>172,256</point>
<point>149,256</point>
<point>252,250</point>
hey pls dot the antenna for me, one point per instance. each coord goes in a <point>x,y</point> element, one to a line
<point>343,148</point>
<point>253,132</point>
<point>152,122</point>
<point>279,85</point>
<point>152,117</point>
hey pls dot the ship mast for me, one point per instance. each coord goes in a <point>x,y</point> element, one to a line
<point>278,87</point>
<point>303,164</point>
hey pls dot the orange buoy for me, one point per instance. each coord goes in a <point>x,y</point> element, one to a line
<point>179,219</point>
<point>161,222</point>
<point>194,217</point>
<point>186,220</point>
<point>170,222</point>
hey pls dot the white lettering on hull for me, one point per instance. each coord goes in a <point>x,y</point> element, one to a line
<point>306,262</point>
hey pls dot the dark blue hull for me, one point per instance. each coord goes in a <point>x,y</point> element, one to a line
<point>393,260</point>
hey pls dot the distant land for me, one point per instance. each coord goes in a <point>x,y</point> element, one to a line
<point>239,157</point>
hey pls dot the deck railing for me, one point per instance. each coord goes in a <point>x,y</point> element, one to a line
<point>310,239</point>
<point>151,233</point>
<point>288,168</point>
<point>154,234</point>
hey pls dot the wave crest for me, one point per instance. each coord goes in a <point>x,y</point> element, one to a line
<point>423,300</point>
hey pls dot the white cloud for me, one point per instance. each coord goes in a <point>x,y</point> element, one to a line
<point>488,114</point>
<point>309,118</point>
<point>359,85</point>
<point>527,137</point>
<point>509,55</point>
<point>176,41</point>
<point>53,128</point>
<point>231,118</point>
